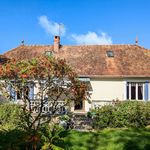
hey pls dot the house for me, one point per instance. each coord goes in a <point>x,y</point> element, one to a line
<point>113,71</point>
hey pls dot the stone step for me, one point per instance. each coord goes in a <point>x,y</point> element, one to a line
<point>83,127</point>
<point>82,122</point>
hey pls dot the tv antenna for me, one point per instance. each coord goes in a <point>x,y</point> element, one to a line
<point>60,26</point>
<point>136,40</point>
<point>22,42</point>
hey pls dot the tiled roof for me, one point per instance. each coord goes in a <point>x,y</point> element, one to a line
<point>91,60</point>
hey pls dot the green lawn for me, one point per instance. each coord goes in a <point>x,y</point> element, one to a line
<point>108,139</point>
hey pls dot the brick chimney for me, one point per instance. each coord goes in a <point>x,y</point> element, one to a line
<point>56,43</point>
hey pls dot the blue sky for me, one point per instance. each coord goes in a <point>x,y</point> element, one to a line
<point>83,22</point>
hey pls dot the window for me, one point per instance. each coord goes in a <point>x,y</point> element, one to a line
<point>78,105</point>
<point>21,91</point>
<point>110,53</point>
<point>135,90</point>
<point>49,53</point>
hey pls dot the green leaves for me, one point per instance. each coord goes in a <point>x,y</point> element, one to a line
<point>10,116</point>
<point>123,114</point>
<point>51,136</point>
<point>33,62</point>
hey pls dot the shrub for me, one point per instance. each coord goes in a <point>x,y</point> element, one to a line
<point>13,135</point>
<point>51,136</point>
<point>10,116</point>
<point>12,139</point>
<point>91,113</point>
<point>130,114</point>
<point>123,114</point>
<point>103,117</point>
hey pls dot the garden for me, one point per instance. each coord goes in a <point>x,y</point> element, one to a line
<point>122,126</point>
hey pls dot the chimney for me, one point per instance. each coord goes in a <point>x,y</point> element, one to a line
<point>56,43</point>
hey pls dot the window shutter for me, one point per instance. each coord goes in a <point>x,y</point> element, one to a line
<point>146,90</point>
<point>11,92</point>
<point>31,91</point>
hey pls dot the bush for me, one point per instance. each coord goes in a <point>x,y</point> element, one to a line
<point>13,135</point>
<point>10,116</point>
<point>123,114</point>
<point>51,136</point>
<point>12,139</point>
<point>103,117</point>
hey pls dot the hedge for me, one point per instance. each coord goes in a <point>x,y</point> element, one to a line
<point>122,114</point>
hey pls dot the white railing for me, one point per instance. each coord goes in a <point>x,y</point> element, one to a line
<point>47,107</point>
<point>99,103</point>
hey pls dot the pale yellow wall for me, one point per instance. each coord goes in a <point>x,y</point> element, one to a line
<point>108,89</point>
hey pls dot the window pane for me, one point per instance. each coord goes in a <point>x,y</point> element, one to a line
<point>26,92</point>
<point>110,53</point>
<point>133,91</point>
<point>19,94</point>
<point>127,91</point>
<point>31,91</point>
<point>140,91</point>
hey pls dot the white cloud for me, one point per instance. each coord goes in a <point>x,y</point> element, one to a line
<point>92,38</point>
<point>51,27</point>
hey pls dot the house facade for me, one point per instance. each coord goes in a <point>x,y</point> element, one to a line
<point>114,72</point>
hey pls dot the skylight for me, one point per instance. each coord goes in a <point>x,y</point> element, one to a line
<point>110,53</point>
<point>48,53</point>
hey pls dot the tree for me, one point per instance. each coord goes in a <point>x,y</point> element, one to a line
<point>56,87</point>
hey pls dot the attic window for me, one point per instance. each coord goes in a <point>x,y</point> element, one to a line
<point>48,53</point>
<point>110,53</point>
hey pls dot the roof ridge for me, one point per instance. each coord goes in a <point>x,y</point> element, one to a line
<point>24,46</point>
<point>142,47</point>
<point>37,45</point>
<point>11,49</point>
<point>103,45</point>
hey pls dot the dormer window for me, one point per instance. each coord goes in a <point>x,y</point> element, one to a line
<point>110,53</point>
<point>48,53</point>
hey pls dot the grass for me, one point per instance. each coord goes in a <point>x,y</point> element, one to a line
<point>108,139</point>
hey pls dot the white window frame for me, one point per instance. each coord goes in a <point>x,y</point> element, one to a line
<point>136,89</point>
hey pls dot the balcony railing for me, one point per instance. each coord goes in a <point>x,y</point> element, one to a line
<point>99,103</point>
<point>46,108</point>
